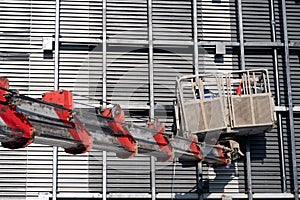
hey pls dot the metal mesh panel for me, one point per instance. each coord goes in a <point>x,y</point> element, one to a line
<point>262,109</point>
<point>194,118</point>
<point>242,111</point>
<point>214,114</point>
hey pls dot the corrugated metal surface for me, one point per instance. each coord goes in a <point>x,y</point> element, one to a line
<point>172,20</point>
<point>217,20</point>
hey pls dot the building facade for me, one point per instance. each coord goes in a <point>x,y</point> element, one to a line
<point>130,52</point>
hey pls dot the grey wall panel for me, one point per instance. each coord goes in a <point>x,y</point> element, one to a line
<point>176,177</point>
<point>295,75</point>
<point>293,18</point>
<point>172,20</point>
<point>217,20</point>
<point>127,19</point>
<point>256,19</point>
<point>81,19</point>
<point>127,76</point>
<point>169,63</point>
<point>128,175</point>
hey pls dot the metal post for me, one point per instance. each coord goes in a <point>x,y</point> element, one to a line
<point>199,180</point>
<point>104,175</point>
<point>241,35</point>
<point>104,92</point>
<point>277,85</point>
<point>195,37</point>
<point>104,54</point>
<point>56,87</point>
<point>248,168</point>
<point>290,100</point>
<point>151,92</point>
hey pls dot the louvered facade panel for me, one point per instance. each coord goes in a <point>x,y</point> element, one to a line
<point>172,20</point>
<point>81,19</point>
<point>127,76</point>
<point>210,63</point>
<point>73,173</point>
<point>222,179</point>
<point>217,20</point>
<point>15,42</point>
<point>175,177</point>
<point>127,19</point>
<point>25,172</point>
<point>256,20</point>
<point>170,63</point>
<point>41,69</point>
<point>295,76</point>
<point>128,175</point>
<point>81,72</point>
<point>293,18</point>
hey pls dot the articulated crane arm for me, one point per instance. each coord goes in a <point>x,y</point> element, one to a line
<point>54,121</point>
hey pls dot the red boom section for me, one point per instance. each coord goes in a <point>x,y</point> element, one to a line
<point>78,130</point>
<point>162,141</point>
<point>121,132</point>
<point>17,122</point>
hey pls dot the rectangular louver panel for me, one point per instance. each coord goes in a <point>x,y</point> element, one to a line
<point>172,20</point>
<point>127,19</point>
<point>256,20</point>
<point>217,20</point>
<point>295,76</point>
<point>170,63</point>
<point>293,20</point>
<point>128,175</point>
<point>81,19</point>
<point>211,63</point>
<point>176,177</point>
<point>15,42</point>
<point>73,172</point>
<point>81,72</point>
<point>221,179</point>
<point>127,76</point>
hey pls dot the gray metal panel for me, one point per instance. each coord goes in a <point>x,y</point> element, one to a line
<point>172,20</point>
<point>127,76</point>
<point>293,20</point>
<point>217,20</point>
<point>127,19</point>
<point>295,76</point>
<point>256,20</point>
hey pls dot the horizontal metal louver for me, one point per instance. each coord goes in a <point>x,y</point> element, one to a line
<point>15,42</point>
<point>209,62</point>
<point>293,20</point>
<point>127,19</point>
<point>170,63</point>
<point>81,72</point>
<point>127,76</point>
<point>172,20</point>
<point>128,175</point>
<point>81,19</point>
<point>175,177</point>
<point>256,20</point>
<point>25,172</point>
<point>217,20</point>
<point>222,179</point>
<point>73,172</point>
<point>295,76</point>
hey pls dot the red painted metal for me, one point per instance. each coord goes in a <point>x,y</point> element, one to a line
<point>163,143</point>
<point>79,131</point>
<point>16,122</point>
<point>195,149</point>
<point>120,131</point>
